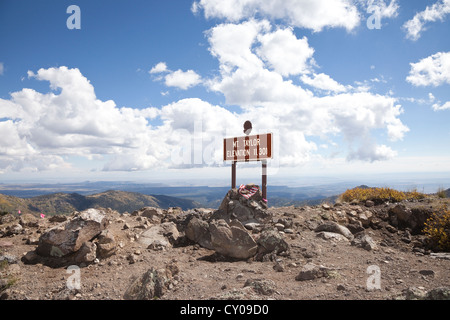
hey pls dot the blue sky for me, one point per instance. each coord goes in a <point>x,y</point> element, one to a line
<point>147,90</point>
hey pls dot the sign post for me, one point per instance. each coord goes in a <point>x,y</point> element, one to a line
<point>248,148</point>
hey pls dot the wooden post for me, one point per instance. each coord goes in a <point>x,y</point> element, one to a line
<point>264,179</point>
<point>233,175</point>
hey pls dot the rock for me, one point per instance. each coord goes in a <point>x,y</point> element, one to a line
<point>311,251</point>
<point>390,228</point>
<point>364,220</point>
<point>331,236</point>
<point>236,206</point>
<point>286,222</point>
<point>8,258</point>
<point>326,206</point>
<point>197,230</point>
<point>158,235</point>
<point>340,217</point>
<point>7,218</point>
<point>311,271</point>
<point>153,214</point>
<point>413,218</point>
<point>58,218</point>
<point>153,283</point>
<point>279,226</point>
<point>271,241</point>
<point>261,286</point>
<point>31,257</point>
<point>441,293</point>
<point>126,226</point>
<point>13,229</point>
<point>32,240</point>
<point>69,236</point>
<point>278,267</point>
<point>440,255</point>
<point>355,227</point>
<point>253,226</point>
<point>106,244</point>
<point>369,203</point>
<point>150,285</point>
<point>414,293</point>
<point>233,241</point>
<point>364,241</point>
<point>28,220</point>
<point>331,226</point>
<point>86,254</point>
<point>427,272</point>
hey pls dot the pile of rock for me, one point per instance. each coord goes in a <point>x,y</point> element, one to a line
<point>228,229</point>
<point>79,240</point>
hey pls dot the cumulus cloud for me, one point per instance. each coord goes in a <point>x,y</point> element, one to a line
<point>314,15</point>
<point>158,68</point>
<point>439,107</point>
<point>43,128</point>
<point>296,52</point>
<point>179,78</point>
<point>433,70</point>
<point>323,82</point>
<point>182,79</point>
<point>264,87</point>
<point>435,12</point>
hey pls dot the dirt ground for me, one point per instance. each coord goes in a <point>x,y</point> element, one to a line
<point>205,275</point>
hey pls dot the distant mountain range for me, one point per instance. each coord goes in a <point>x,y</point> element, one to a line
<point>66,198</point>
<point>65,203</point>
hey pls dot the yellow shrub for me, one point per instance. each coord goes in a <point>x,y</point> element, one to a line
<point>437,229</point>
<point>379,194</point>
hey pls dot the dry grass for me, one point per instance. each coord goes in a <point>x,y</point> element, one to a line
<point>380,195</point>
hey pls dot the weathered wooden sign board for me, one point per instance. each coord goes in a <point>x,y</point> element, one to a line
<point>249,148</point>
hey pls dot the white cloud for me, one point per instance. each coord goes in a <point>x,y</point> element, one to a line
<point>286,54</point>
<point>314,15</point>
<point>435,12</point>
<point>2,68</point>
<point>323,82</point>
<point>384,10</point>
<point>266,94</point>
<point>158,68</point>
<point>46,127</point>
<point>433,70</point>
<point>445,106</point>
<point>182,79</point>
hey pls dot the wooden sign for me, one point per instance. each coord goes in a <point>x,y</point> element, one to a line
<point>248,148</point>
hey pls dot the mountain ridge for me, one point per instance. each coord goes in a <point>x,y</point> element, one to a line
<point>65,203</point>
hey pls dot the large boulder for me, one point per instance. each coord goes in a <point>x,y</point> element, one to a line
<point>413,217</point>
<point>106,244</point>
<point>160,236</point>
<point>197,230</point>
<point>232,240</point>
<point>69,236</point>
<point>271,241</point>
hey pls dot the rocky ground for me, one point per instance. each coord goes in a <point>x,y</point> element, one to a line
<point>340,251</point>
